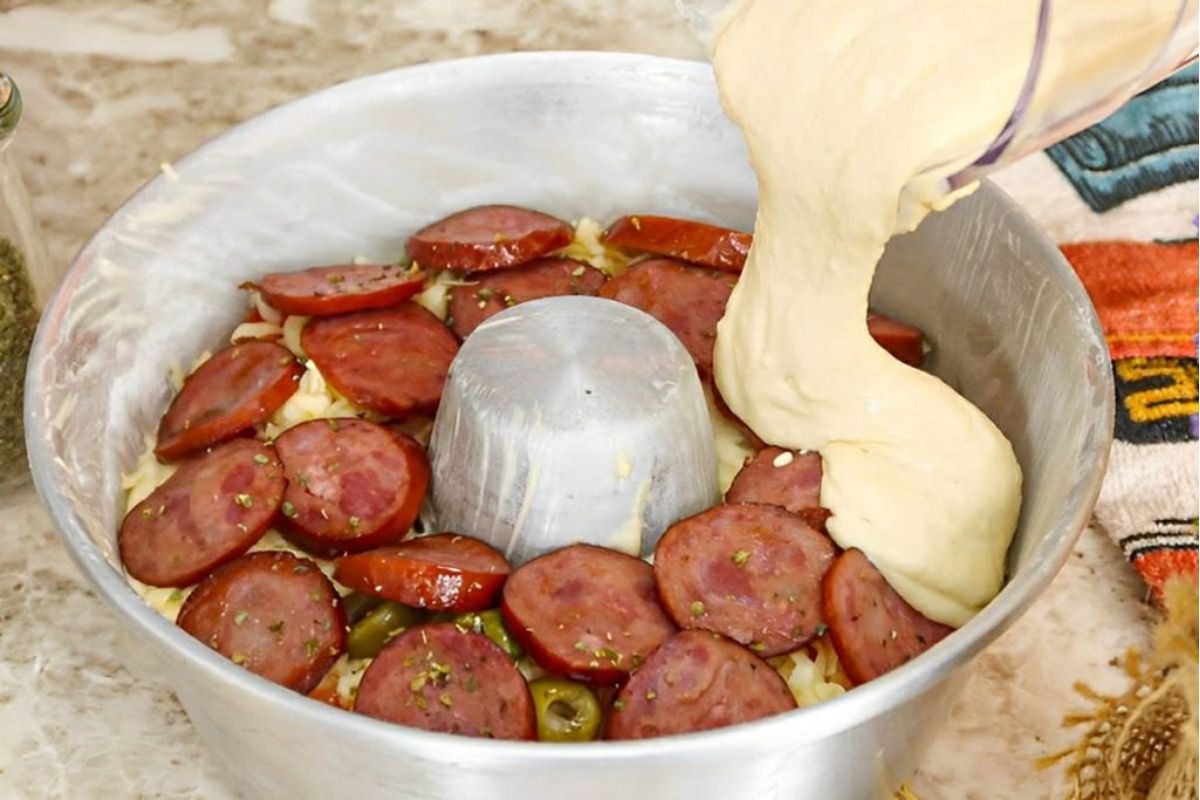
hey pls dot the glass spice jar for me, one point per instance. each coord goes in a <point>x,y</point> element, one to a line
<point>25,282</point>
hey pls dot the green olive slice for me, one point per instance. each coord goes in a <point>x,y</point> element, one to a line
<point>383,623</point>
<point>566,711</point>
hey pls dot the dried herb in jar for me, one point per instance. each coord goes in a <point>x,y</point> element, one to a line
<point>18,319</point>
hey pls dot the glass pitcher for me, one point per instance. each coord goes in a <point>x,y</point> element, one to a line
<point>26,280</point>
<point>1077,75</point>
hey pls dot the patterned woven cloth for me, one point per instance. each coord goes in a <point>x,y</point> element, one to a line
<point>1121,199</point>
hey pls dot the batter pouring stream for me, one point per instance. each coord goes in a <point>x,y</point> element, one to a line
<point>854,114</point>
<point>842,106</point>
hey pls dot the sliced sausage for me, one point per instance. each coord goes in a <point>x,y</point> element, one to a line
<point>489,294</point>
<point>779,477</point>
<point>488,237</point>
<point>751,437</point>
<point>438,678</point>
<point>698,242</point>
<point>688,300</point>
<point>322,291</point>
<point>212,509</point>
<point>272,613</point>
<point>392,361</point>
<point>816,517</point>
<point>750,572</point>
<point>695,682</point>
<point>872,628</point>
<point>445,572</point>
<point>352,484</point>
<point>586,612</point>
<point>903,341</point>
<point>237,388</point>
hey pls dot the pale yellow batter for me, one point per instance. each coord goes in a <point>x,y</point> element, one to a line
<point>846,107</point>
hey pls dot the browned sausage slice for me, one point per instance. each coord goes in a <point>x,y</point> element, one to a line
<point>352,484</point>
<point>272,613</point>
<point>903,341</point>
<point>816,517</point>
<point>212,509</point>
<point>688,300</point>
<point>751,437</point>
<point>586,612</point>
<point>322,291</point>
<point>695,682</point>
<point>238,387</point>
<point>486,238</point>
<point>445,572</point>
<point>872,628</point>
<point>698,242</point>
<point>491,293</point>
<point>393,361</point>
<point>779,477</point>
<point>749,572</point>
<point>439,678</point>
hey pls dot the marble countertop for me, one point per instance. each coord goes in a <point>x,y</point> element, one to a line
<point>113,88</point>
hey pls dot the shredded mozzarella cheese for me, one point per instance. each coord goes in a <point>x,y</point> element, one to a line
<point>435,297</point>
<point>813,673</point>
<point>146,476</point>
<point>165,601</point>
<point>268,313</point>
<point>314,399</point>
<point>291,334</point>
<point>349,673</point>
<point>587,247</point>
<point>255,330</point>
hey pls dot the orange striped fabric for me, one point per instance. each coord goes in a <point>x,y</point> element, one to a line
<point>1144,292</point>
<point>1146,297</point>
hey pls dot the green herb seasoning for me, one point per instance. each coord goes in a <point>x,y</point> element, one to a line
<point>18,318</point>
